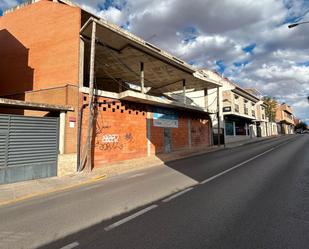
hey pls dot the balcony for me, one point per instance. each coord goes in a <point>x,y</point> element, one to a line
<point>287,108</point>
<point>288,118</point>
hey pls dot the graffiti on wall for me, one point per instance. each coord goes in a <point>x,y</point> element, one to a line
<point>110,142</point>
<point>107,140</point>
<point>110,138</point>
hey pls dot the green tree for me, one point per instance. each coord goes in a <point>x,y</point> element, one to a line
<point>271,108</point>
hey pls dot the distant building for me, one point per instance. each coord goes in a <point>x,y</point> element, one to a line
<point>285,119</point>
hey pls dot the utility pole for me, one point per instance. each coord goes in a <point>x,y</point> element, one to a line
<point>91,88</point>
<point>184,91</point>
<point>142,78</point>
<point>218,115</point>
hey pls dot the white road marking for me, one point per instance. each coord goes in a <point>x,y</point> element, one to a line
<point>131,217</point>
<point>71,246</point>
<point>136,175</point>
<point>236,166</point>
<point>177,194</point>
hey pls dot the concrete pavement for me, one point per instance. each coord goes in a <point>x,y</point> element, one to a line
<point>59,219</point>
<point>262,203</point>
<point>16,192</point>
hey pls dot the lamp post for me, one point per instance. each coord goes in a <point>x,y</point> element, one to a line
<point>294,25</point>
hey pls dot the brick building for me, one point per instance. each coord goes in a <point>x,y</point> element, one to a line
<point>285,119</point>
<point>52,52</point>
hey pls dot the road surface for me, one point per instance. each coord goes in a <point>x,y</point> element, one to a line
<point>253,196</point>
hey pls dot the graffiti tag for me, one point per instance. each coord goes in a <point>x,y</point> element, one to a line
<point>111,138</point>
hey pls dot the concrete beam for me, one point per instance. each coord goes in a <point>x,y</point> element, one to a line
<point>18,104</point>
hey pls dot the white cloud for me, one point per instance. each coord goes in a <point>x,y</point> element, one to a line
<point>205,31</point>
<point>219,31</point>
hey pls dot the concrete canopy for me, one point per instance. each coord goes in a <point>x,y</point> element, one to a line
<point>18,104</point>
<point>119,55</point>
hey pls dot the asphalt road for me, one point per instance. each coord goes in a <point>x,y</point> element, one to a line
<point>254,196</point>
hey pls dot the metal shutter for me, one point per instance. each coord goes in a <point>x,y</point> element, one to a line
<point>28,147</point>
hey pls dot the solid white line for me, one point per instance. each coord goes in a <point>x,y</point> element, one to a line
<point>70,246</point>
<point>178,194</point>
<point>131,217</point>
<point>236,166</point>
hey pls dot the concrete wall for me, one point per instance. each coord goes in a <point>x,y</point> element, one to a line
<point>67,164</point>
<point>125,130</point>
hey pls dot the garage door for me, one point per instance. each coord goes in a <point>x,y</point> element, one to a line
<point>28,148</point>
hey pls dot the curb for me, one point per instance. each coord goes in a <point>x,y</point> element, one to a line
<point>57,190</point>
<point>252,142</point>
<point>102,177</point>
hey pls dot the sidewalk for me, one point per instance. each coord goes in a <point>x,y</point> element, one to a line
<point>249,141</point>
<point>11,193</point>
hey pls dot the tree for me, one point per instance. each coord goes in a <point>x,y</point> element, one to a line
<point>271,108</point>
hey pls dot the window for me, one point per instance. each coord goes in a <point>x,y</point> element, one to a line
<point>240,128</point>
<point>246,111</point>
<point>236,108</point>
<point>229,128</point>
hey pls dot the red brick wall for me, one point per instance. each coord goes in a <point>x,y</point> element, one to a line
<point>65,95</point>
<point>39,47</point>
<point>180,136</point>
<point>200,131</point>
<point>121,131</point>
<point>39,62</point>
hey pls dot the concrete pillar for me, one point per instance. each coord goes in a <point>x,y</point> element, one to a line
<point>206,98</point>
<point>246,128</point>
<point>184,91</point>
<point>62,133</point>
<point>81,62</point>
<point>142,78</point>
<point>91,87</point>
<point>189,133</point>
<point>148,134</point>
<point>218,116</point>
<point>224,130</point>
<point>234,128</point>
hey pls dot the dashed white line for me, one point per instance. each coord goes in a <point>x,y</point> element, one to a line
<point>71,246</point>
<point>145,210</point>
<point>177,194</point>
<point>136,175</point>
<point>236,166</point>
<point>131,217</point>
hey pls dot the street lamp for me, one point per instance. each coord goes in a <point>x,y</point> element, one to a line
<point>296,24</point>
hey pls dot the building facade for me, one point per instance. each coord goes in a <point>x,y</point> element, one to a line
<point>115,84</point>
<point>285,119</point>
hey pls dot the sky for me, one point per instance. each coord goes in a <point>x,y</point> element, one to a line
<point>247,41</point>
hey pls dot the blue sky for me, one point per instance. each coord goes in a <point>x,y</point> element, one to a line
<point>250,43</point>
